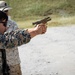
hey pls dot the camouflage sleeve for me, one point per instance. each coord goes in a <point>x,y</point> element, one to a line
<point>14,38</point>
<point>12,25</point>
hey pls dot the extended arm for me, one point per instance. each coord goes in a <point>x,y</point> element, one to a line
<point>19,37</point>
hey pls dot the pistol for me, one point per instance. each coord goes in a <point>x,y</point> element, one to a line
<point>45,20</point>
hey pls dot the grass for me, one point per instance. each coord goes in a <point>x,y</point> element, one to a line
<point>27,11</point>
<point>24,24</point>
<point>24,8</point>
<point>62,21</point>
<point>56,21</point>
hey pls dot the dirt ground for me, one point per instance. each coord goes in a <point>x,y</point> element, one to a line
<point>50,54</point>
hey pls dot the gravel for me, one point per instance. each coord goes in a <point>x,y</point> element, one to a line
<point>52,53</point>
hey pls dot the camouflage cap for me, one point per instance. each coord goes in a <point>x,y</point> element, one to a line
<point>4,6</point>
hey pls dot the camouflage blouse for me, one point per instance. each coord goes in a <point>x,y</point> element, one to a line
<point>14,39</point>
<point>10,41</point>
<point>12,54</point>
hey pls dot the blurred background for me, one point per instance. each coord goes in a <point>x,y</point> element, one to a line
<point>55,55</point>
<point>27,11</point>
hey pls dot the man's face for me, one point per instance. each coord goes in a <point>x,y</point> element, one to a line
<point>3,27</point>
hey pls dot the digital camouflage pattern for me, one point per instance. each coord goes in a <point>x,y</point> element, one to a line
<point>14,39</point>
<point>12,54</point>
<point>10,41</point>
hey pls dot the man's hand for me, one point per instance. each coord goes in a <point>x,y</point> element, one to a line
<point>41,28</point>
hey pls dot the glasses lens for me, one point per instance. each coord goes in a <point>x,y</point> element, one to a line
<point>4,23</point>
<point>6,11</point>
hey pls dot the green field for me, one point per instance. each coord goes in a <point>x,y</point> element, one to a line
<point>57,21</point>
<point>27,11</point>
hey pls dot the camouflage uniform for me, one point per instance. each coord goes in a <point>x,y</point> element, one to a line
<point>14,39</point>
<point>10,40</point>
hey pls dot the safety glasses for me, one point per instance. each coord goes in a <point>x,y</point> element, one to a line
<point>4,23</point>
<point>6,11</point>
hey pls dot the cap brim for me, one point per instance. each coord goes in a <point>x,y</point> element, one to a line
<point>8,8</point>
<point>5,8</point>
